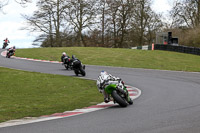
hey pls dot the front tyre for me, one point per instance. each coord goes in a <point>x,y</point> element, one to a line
<point>119,99</point>
<point>130,101</point>
<point>8,55</point>
<point>66,66</point>
<point>82,72</point>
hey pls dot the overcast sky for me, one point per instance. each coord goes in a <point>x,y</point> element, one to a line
<point>11,22</point>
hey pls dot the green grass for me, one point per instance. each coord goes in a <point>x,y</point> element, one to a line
<point>162,60</point>
<point>30,94</point>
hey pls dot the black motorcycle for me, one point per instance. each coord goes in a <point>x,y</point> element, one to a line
<point>4,45</point>
<point>10,52</point>
<point>78,67</point>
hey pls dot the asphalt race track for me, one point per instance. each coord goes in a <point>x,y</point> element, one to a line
<point>170,103</point>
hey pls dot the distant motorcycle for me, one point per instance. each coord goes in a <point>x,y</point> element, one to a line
<point>4,45</point>
<point>78,67</point>
<point>10,52</point>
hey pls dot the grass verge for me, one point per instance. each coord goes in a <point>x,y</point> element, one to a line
<point>30,94</point>
<point>163,60</point>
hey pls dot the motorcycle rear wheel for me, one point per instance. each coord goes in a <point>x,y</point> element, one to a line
<point>122,102</point>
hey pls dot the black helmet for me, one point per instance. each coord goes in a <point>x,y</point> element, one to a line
<point>73,57</point>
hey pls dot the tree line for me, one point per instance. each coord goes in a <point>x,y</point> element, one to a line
<point>110,23</point>
<point>102,23</point>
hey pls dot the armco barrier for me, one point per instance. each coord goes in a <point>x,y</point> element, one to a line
<point>146,47</point>
<point>182,49</point>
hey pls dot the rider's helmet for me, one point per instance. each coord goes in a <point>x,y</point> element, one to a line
<point>73,57</point>
<point>104,75</point>
<point>13,47</point>
<point>64,54</point>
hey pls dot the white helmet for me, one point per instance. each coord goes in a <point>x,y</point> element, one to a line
<point>63,53</point>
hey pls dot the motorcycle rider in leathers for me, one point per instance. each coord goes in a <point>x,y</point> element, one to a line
<point>102,82</point>
<point>11,49</point>
<point>63,56</point>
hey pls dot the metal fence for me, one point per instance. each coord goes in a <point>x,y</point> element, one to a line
<point>182,49</point>
<point>146,47</point>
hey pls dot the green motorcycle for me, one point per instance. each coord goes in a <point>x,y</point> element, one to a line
<point>119,93</point>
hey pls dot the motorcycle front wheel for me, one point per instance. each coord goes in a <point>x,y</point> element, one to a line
<point>66,66</point>
<point>8,55</point>
<point>122,102</point>
<point>82,72</point>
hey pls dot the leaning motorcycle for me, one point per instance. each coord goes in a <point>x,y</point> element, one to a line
<point>10,53</point>
<point>119,93</point>
<point>78,67</point>
<point>4,45</point>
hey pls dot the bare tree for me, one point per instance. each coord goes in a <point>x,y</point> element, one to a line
<point>103,11</point>
<point>145,22</point>
<point>23,2</point>
<point>154,25</point>
<point>81,16</point>
<point>113,27</point>
<point>140,19</point>
<point>5,2</point>
<point>186,13</point>
<point>119,15</point>
<point>48,20</point>
<point>124,18</point>
<point>2,4</point>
